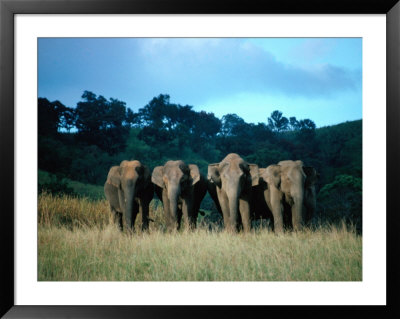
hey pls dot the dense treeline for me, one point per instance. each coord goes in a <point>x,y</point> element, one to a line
<point>81,143</point>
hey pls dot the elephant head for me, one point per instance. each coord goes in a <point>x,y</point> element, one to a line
<point>130,178</point>
<point>234,179</point>
<point>176,180</point>
<point>292,183</point>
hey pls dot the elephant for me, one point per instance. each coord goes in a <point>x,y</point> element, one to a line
<point>129,190</point>
<point>234,179</point>
<point>286,193</point>
<point>181,188</point>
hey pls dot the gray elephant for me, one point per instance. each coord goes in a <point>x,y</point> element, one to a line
<point>234,180</point>
<point>288,192</point>
<point>129,191</point>
<point>181,188</point>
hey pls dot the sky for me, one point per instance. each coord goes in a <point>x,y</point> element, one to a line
<point>315,78</point>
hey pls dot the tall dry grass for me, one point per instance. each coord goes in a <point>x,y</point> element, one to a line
<point>77,240</point>
<point>73,212</point>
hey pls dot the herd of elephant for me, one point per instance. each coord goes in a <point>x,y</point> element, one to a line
<point>283,193</point>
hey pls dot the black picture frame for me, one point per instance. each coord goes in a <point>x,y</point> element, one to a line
<point>8,8</point>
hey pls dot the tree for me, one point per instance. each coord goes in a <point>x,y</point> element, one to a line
<point>131,117</point>
<point>306,134</point>
<point>153,113</point>
<point>90,113</point>
<point>258,132</point>
<point>232,124</point>
<point>206,125</point>
<point>306,125</point>
<point>277,122</point>
<point>294,124</point>
<point>103,123</point>
<point>53,117</point>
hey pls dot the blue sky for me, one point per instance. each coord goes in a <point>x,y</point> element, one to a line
<point>315,78</point>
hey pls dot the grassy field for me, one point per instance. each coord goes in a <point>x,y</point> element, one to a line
<point>78,241</point>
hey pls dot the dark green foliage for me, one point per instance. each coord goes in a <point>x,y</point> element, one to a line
<point>102,123</point>
<point>91,165</point>
<point>341,200</point>
<point>54,116</point>
<point>340,150</point>
<point>233,125</point>
<point>57,184</point>
<point>84,142</point>
<point>54,184</point>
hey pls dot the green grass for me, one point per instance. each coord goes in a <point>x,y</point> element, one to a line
<point>87,246</point>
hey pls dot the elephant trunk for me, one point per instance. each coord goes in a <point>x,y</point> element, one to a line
<point>129,199</point>
<point>233,198</point>
<point>297,210</point>
<point>173,194</point>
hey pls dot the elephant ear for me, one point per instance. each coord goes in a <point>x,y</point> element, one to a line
<point>213,174</point>
<point>114,176</point>
<point>311,174</point>
<point>272,175</point>
<point>255,178</point>
<point>194,173</point>
<point>157,176</point>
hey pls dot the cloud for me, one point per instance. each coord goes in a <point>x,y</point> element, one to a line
<point>221,67</point>
<point>198,71</point>
<point>314,48</point>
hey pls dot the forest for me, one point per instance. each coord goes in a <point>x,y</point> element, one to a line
<point>81,143</point>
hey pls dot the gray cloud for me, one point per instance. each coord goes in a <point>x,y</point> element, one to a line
<point>193,71</point>
<point>218,67</point>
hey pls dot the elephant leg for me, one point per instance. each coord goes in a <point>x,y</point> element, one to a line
<point>277,209</point>
<point>224,203</point>
<point>144,203</point>
<point>117,217</point>
<point>144,210</point>
<point>193,218</point>
<point>187,210</point>
<point>178,218</point>
<point>244,208</point>
<point>119,221</point>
